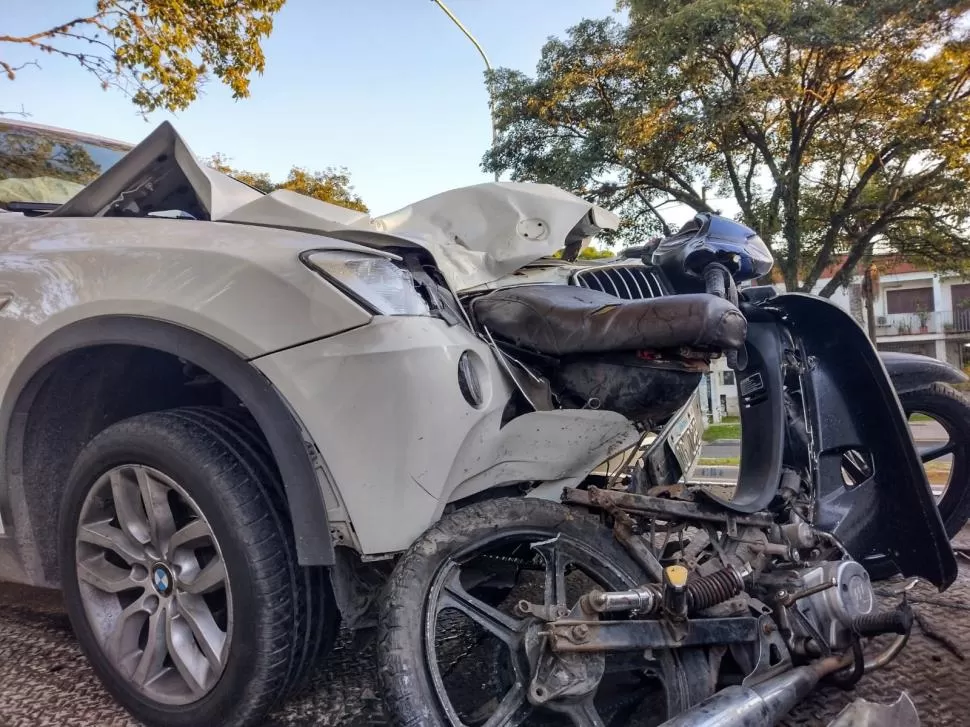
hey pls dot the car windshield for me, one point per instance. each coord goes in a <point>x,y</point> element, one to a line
<point>48,166</point>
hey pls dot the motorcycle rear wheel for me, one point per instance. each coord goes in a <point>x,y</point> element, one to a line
<point>951,410</point>
<point>463,568</point>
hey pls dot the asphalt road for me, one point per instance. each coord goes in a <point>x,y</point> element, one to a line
<point>926,435</point>
<point>44,680</point>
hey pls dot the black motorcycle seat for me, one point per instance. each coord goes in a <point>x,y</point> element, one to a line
<point>562,320</point>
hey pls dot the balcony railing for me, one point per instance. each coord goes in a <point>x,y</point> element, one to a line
<point>909,324</point>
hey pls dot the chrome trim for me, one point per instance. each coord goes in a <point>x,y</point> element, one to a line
<point>638,282</point>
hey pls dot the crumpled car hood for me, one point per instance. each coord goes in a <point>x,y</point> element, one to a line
<point>477,234</point>
<point>484,232</point>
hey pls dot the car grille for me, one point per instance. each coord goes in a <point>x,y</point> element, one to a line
<point>632,282</point>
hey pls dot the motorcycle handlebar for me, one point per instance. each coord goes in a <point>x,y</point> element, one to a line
<point>714,280</point>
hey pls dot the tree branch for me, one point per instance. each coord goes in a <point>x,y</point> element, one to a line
<point>860,246</point>
<point>838,219</point>
<point>22,113</point>
<point>663,223</point>
<point>741,191</point>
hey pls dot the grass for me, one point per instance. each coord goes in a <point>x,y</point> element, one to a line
<point>920,418</point>
<point>728,428</point>
<point>719,461</point>
<point>938,473</point>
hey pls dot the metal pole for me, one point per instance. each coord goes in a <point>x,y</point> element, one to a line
<point>488,66</point>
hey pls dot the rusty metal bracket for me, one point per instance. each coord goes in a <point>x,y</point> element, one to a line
<point>596,636</point>
<point>660,507</point>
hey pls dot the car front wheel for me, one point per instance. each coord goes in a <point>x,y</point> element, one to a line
<point>180,574</point>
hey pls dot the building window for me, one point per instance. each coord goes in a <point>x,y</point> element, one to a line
<point>960,296</point>
<point>727,378</point>
<point>909,300</point>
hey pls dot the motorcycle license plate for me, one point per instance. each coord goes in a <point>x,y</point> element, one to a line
<point>686,436</point>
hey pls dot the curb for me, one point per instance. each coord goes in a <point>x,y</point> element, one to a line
<point>715,472</point>
<point>724,441</point>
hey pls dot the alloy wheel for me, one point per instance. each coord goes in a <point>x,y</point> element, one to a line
<point>153,584</point>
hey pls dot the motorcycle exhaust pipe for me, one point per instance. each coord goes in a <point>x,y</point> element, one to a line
<point>762,705</point>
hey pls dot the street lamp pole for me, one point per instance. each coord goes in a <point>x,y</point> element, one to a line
<point>488,66</point>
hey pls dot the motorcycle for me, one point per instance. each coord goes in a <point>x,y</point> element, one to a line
<point>596,605</point>
<point>672,448</point>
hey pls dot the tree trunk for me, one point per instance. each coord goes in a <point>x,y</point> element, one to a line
<point>868,293</point>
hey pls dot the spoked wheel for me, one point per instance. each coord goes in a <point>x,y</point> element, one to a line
<point>944,449</point>
<point>455,652</point>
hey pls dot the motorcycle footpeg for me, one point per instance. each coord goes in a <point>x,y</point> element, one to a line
<point>898,621</point>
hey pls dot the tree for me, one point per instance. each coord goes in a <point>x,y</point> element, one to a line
<point>28,155</point>
<point>331,185</point>
<point>837,127</point>
<point>159,52</point>
<point>588,253</point>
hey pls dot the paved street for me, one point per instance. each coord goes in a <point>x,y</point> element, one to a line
<point>44,680</point>
<point>926,435</point>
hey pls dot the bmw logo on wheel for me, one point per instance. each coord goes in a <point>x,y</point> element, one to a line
<point>162,580</point>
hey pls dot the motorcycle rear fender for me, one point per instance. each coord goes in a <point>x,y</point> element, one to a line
<point>850,404</point>
<point>910,371</point>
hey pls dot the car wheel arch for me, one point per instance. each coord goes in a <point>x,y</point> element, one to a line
<point>296,457</point>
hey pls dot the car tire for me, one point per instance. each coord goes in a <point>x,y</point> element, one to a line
<point>948,406</point>
<point>237,637</point>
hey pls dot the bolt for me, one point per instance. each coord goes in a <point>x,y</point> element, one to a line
<point>768,628</point>
<point>562,612</point>
<point>523,608</point>
<point>596,600</point>
<point>581,632</point>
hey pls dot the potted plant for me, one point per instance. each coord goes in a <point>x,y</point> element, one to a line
<point>924,318</point>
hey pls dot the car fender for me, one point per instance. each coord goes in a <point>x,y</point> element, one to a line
<point>910,371</point>
<point>243,286</point>
<point>217,295</point>
<point>384,405</point>
<point>302,469</point>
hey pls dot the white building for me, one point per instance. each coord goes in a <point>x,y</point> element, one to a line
<point>916,311</point>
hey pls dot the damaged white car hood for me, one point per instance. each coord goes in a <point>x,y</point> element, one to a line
<point>477,234</point>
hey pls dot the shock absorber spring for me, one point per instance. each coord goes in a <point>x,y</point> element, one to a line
<point>702,593</point>
<point>648,600</point>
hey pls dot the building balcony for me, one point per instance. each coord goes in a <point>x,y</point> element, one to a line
<point>921,324</point>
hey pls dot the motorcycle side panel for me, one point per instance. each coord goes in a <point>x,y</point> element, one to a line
<point>851,406</point>
<point>910,371</point>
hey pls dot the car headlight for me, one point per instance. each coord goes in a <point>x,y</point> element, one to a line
<point>373,280</point>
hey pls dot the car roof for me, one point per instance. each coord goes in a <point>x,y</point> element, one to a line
<point>79,135</point>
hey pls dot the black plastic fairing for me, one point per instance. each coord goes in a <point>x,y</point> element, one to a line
<point>850,406</point>
<point>762,419</point>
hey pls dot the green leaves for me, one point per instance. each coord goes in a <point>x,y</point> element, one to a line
<point>837,128</point>
<point>331,185</point>
<point>161,52</point>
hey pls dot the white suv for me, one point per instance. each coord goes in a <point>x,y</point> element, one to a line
<point>224,413</point>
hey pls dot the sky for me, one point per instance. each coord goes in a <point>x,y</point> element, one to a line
<point>389,89</point>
